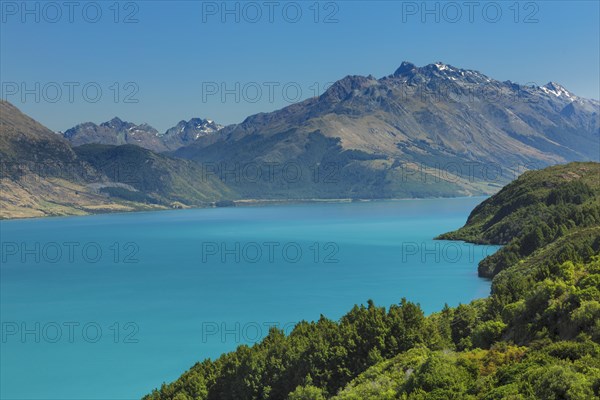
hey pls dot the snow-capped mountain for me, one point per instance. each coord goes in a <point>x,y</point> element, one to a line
<point>433,117</point>
<point>186,132</point>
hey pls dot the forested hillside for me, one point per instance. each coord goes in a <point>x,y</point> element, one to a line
<point>540,208</point>
<point>537,336</point>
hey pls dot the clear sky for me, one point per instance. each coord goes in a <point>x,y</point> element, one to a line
<point>160,62</point>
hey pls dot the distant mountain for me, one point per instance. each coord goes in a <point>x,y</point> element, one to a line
<point>186,132</point>
<point>118,132</point>
<point>41,175</point>
<point>391,137</point>
<point>115,132</point>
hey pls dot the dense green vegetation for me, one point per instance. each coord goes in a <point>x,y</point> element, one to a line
<point>537,336</point>
<point>539,208</point>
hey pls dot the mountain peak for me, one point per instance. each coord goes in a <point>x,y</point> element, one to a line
<point>409,69</point>
<point>186,132</point>
<point>440,66</point>
<point>405,67</point>
<point>557,90</point>
<point>116,123</point>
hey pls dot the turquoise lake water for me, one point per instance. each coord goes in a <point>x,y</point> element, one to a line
<point>111,306</point>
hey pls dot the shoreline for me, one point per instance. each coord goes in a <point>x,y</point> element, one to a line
<point>241,203</point>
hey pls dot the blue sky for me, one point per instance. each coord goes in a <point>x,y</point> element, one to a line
<point>182,59</point>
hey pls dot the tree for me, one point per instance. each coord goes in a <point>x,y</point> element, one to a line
<point>307,392</point>
<point>487,333</point>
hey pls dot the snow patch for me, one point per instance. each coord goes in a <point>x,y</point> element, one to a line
<point>557,90</point>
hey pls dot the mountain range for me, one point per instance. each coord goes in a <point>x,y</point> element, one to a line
<point>118,132</point>
<point>432,131</point>
<point>439,119</point>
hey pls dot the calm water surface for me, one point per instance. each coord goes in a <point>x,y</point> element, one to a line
<point>111,306</point>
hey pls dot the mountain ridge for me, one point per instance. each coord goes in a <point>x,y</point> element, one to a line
<point>118,132</point>
<point>433,116</point>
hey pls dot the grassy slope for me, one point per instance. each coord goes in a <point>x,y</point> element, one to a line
<point>33,196</point>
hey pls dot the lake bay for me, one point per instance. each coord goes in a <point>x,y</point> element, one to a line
<point>108,306</point>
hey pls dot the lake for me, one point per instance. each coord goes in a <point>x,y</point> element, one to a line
<point>111,306</point>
